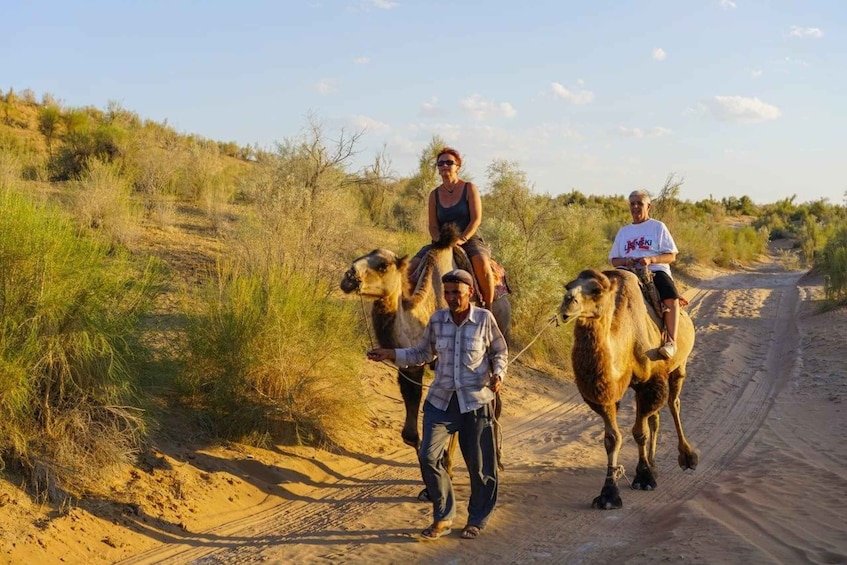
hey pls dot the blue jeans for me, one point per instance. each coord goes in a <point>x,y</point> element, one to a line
<point>477,442</point>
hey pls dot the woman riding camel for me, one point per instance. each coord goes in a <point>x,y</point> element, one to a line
<point>458,201</point>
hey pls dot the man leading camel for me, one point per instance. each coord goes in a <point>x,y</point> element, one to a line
<point>648,243</point>
<point>471,363</point>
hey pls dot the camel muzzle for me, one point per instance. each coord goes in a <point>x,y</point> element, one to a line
<point>350,282</point>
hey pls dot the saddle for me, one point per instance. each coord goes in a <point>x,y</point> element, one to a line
<point>501,284</point>
<point>651,294</point>
<point>462,261</point>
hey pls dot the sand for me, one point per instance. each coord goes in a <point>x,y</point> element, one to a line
<point>764,404</point>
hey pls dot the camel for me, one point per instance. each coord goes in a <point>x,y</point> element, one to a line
<point>400,313</point>
<point>615,346</point>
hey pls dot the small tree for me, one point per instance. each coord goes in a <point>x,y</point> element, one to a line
<point>49,118</point>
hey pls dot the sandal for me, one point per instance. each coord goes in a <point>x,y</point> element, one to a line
<point>436,530</point>
<point>471,532</point>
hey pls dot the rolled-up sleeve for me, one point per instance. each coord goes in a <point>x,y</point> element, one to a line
<point>498,351</point>
<point>419,354</point>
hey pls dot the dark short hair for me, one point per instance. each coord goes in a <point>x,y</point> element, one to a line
<point>458,276</point>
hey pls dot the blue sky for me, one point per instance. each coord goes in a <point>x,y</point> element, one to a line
<point>738,97</point>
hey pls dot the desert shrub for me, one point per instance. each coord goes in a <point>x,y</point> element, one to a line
<point>713,243</point>
<point>377,192</point>
<point>102,201</point>
<point>696,241</point>
<point>28,97</point>
<point>103,141</point>
<point>49,118</point>
<point>832,264</point>
<point>303,212</point>
<point>203,180</point>
<point>10,169</point>
<point>740,245</point>
<point>69,311</point>
<point>152,162</point>
<point>261,361</point>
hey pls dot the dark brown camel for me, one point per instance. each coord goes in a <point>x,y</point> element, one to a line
<point>615,347</point>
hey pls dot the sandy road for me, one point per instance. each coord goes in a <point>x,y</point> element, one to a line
<point>740,410</point>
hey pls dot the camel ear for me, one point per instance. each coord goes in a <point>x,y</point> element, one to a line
<point>604,281</point>
<point>594,275</point>
<point>402,262</point>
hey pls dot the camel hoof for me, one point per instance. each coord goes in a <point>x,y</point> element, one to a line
<point>602,504</point>
<point>688,460</point>
<point>423,496</point>
<point>609,499</point>
<point>412,442</point>
<point>642,486</point>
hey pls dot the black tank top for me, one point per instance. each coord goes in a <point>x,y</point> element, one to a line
<point>459,213</point>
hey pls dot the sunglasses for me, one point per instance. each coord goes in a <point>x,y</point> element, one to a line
<point>446,163</point>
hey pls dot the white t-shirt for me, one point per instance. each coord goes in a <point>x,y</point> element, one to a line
<point>647,239</point>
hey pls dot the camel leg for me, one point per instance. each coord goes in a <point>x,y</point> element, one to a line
<point>610,496</point>
<point>410,380</point>
<point>653,440</point>
<point>688,456</point>
<point>649,398</point>
<point>482,270</point>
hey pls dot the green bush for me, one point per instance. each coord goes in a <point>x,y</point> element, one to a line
<point>69,314</point>
<point>832,263</point>
<point>102,201</point>
<point>261,361</point>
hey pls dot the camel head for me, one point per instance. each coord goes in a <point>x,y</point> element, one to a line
<point>587,296</point>
<point>378,274</point>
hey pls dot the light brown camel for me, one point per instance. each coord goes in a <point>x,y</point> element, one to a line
<point>615,347</point>
<point>400,313</point>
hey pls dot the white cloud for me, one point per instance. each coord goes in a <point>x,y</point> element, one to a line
<point>450,132</point>
<point>728,5</point>
<point>813,32</point>
<point>552,132</point>
<point>382,4</point>
<point>659,54</point>
<point>367,123</point>
<point>431,109</point>
<point>325,86</point>
<point>479,108</point>
<point>362,60</point>
<point>756,73</point>
<point>368,5</point>
<point>640,133</point>
<point>579,96</point>
<point>741,109</point>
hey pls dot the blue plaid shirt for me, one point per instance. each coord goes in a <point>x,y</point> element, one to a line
<point>466,355</point>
